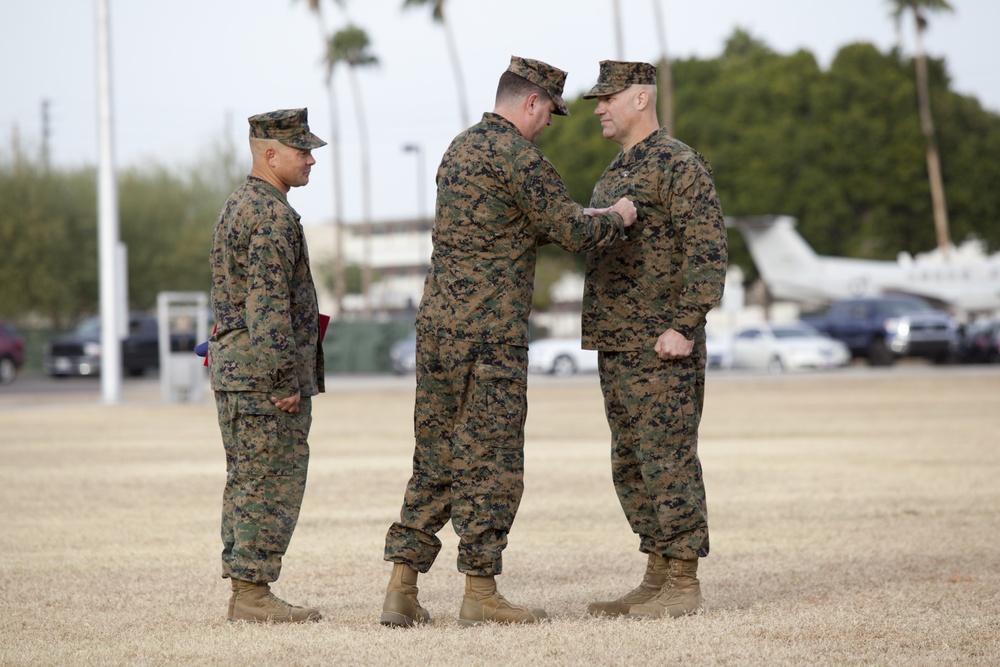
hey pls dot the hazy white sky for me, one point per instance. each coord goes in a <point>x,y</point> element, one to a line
<point>187,73</point>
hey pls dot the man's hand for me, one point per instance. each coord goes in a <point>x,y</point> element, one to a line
<point>672,345</point>
<point>626,209</point>
<point>623,207</point>
<point>290,404</point>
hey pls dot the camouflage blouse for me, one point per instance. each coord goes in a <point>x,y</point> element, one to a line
<point>671,270</point>
<point>263,298</point>
<point>498,198</point>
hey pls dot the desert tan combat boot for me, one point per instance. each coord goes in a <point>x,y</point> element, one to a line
<point>656,575</point>
<point>401,607</point>
<point>256,603</point>
<point>483,603</point>
<point>680,596</point>
<point>232,601</point>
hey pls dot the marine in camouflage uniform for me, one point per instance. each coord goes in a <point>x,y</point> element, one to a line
<point>644,308</point>
<point>266,363</point>
<point>498,198</point>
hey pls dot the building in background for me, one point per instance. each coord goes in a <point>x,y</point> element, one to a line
<point>400,252</point>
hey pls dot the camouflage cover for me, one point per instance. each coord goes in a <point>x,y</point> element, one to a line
<point>616,76</point>
<point>550,79</point>
<point>289,126</point>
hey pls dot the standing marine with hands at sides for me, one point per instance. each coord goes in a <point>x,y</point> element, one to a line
<point>266,363</point>
<point>644,306</point>
<point>498,198</point>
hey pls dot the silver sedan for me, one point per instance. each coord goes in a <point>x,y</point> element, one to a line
<point>561,357</point>
<point>786,347</point>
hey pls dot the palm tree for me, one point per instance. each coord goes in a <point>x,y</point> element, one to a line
<point>350,46</point>
<point>918,8</point>
<point>437,9</point>
<point>339,269</point>
<point>665,86</point>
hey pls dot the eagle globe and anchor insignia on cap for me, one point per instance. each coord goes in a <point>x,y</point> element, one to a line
<point>289,126</point>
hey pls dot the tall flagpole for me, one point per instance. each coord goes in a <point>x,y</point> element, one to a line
<point>112,316</point>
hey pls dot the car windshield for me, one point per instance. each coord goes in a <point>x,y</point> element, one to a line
<point>903,306</point>
<point>797,331</point>
<point>90,326</point>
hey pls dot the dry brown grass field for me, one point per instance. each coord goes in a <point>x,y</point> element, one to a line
<point>855,520</point>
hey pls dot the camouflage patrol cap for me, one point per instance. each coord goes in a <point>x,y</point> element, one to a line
<point>542,74</point>
<point>616,76</point>
<point>289,126</point>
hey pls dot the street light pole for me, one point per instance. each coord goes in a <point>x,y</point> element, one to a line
<point>421,192</point>
<point>108,252</point>
<point>419,150</point>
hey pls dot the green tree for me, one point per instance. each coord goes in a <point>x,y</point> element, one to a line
<point>969,137</point>
<point>871,155</point>
<point>48,232</point>
<point>838,149</point>
<point>576,148</point>
<point>167,222</point>
<point>353,272</point>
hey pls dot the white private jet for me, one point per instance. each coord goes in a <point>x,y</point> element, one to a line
<point>966,280</point>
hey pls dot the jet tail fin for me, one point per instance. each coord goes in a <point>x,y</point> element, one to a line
<point>776,248</point>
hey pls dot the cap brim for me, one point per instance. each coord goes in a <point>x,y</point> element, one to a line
<point>306,142</point>
<point>561,109</point>
<point>602,89</point>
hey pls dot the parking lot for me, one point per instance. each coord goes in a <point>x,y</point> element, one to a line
<point>34,388</point>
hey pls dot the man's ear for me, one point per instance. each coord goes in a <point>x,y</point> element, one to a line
<point>530,102</point>
<point>641,100</point>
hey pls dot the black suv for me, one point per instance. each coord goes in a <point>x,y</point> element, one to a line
<point>886,328</point>
<point>79,353</point>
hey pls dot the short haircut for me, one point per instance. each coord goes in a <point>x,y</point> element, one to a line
<point>258,146</point>
<point>649,89</point>
<point>513,88</point>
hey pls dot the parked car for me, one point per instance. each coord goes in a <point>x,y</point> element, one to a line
<point>403,354</point>
<point>11,353</point>
<point>883,329</point>
<point>981,343</point>
<point>719,350</point>
<point>787,347</point>
<point>561,357</point>
<point>79,353</point>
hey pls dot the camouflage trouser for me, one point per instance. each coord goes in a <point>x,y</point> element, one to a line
<point>653,409</point>
<point>267,455</point>
<point>468,461</point>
